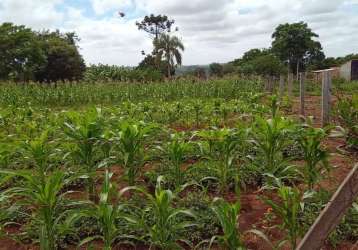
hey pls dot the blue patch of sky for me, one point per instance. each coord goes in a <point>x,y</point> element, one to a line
<point>83,5</point>
<point>244,11</point>
<point>350,8</point>
<point>131,11</point>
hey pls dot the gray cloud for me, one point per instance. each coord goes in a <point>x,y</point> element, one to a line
<point>211,30</point>
<point>35,13</point>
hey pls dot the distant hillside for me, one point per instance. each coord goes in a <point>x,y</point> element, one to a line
<point>190,68</point>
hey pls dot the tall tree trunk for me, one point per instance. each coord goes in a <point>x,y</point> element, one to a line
<point>155,52</point>
<point>169,71</point>
<point>297,69</point>
<point>168,62</point>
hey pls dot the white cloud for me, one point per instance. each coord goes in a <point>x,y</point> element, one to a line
<point>211,30</point>
<point>102,6</point>
<point>110,41</point>
<point>39,14</point>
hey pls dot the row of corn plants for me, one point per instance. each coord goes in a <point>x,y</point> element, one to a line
<point>101,177</point>
<point>72,93</point>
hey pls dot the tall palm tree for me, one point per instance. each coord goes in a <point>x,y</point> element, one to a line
<point>168,47</point>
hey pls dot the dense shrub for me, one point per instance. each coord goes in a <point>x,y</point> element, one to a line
<point>108,73</point>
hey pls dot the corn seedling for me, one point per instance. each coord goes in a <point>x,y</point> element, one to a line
<point>106,214</point>
<point>167,220</point>
<point>43,194</point>
<point>228,215</point>
<point>269,138</point>
<point>38,151</point>
<point>86,131</point>
<point>347,111</point>
<point>176,151</point>
<point>131,138</point>
<point>316,159</point>
<point>221,146</point>
<point>288,210</point>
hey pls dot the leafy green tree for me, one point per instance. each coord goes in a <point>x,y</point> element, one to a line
<point>216,69</point>
<point>147,62</point>
<point>47,56</point>
<point>150,63</point>
<point>200,72</point>
<point>324,64</point>
<point>267,65</point>
<point>63,58</point>
<point>20,52</point>
<point>169,47</point>
<point>294,44</point>
<point>250,55</point>
<point>229,68</point>
<point>259,62</point>
<point>155,25</point>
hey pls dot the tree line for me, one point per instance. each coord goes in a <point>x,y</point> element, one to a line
<point>48,56</point>
<point>294,49</point>
<point>41,56</point>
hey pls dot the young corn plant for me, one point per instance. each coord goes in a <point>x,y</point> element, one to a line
<point>106,213</point>
<point>269,138</point>
<point>217,112</point>
<point>176,150</point>
<point>225,112</point>
<point>107,147</point>
<point>316,158</point>
<point>6,150</point>
<point>49,207</point>
<point>288,210</point>
<point>167,222</point>
<point>86,132</point>
<point>38,152</point>
<point>228,215</point>
<point>197,106</point>
<point>131,139</point>
<point>347,111</point>
<point>221,147</point>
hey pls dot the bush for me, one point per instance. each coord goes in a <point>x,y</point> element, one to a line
<point>108,73</point>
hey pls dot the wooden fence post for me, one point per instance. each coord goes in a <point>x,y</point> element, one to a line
<point>267,83</point>
<point>302,94</point>
<point>326,96</point>
<point>282,86</point>
<point>290,84</point>
<point>272,84</point>
<point>332,214</point>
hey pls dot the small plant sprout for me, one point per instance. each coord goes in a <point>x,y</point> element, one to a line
<point>131,147</point>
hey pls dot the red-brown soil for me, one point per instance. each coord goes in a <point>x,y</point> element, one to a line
<point>254,210</point>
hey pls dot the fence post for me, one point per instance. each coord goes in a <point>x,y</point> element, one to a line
<point>326,96</point>
<point>267,83</point>
<point>290,84</point>
<point>272,84</point>
<point>333,212</point>
<point>282,86</point>
<point>302,94</point>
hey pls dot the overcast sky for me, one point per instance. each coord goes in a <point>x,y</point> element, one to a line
<point>211,30</point>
